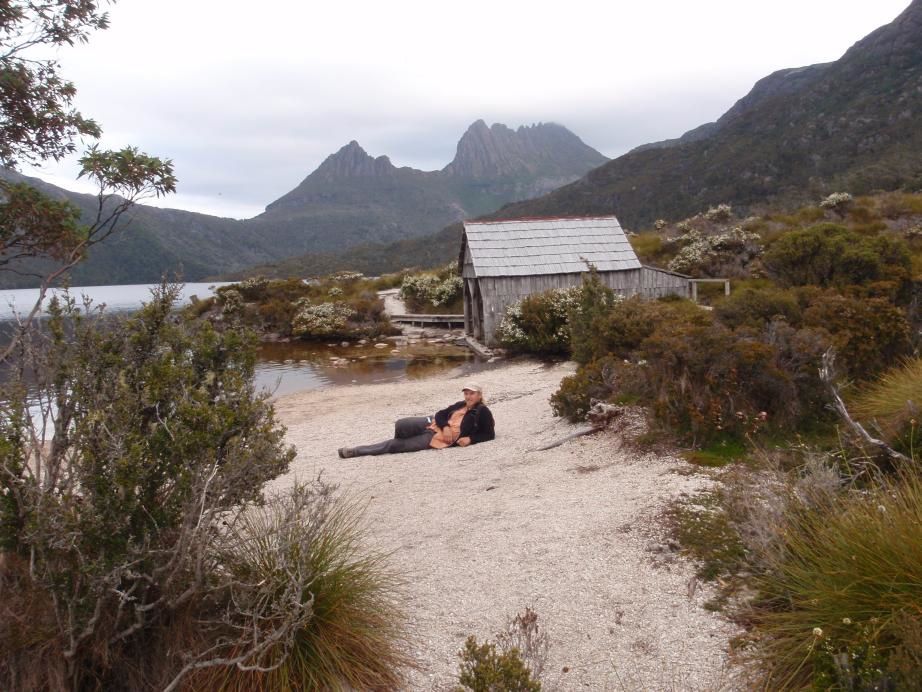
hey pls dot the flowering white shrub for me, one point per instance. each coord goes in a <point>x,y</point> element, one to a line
<point>255,284</point>
<point>722,212</point>
<point>448,290</point>
<point>343,277</point>
<point>837,201</point>
<point>659,224</point>
<point>324,319</point>
<point>516,329</point>
<point>728,252</point>
<point>429,288</point>
<point>335,291</point>
<point>231,301</point>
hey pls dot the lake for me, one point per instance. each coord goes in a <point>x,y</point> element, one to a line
<point>115,298</point>
<point>289,367</point>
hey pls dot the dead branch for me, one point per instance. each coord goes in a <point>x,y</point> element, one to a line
<point>600,415</point>
<point>827,375</point>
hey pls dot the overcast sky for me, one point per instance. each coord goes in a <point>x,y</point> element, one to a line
<point>249,98</point>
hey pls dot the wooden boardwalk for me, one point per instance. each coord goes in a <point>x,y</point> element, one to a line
<point>422,320</point>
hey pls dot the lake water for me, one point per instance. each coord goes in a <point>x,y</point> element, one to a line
<point>115,298</point>
<point>284,368</point>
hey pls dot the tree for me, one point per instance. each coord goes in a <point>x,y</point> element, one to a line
<point>137,547</point>
<point>37,123</point>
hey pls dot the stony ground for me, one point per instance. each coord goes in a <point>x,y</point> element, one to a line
<point>484,531</point>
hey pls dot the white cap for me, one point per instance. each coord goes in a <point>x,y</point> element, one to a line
<point>472,386</point>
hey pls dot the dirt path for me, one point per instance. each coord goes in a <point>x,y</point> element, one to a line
<point>486,530</point>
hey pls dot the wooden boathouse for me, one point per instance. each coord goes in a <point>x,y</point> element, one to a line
<point>501,262</point>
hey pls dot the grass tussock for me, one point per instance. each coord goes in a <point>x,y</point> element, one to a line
<point>892,405</point>
<point>354,638</point>
<point>841,606</point>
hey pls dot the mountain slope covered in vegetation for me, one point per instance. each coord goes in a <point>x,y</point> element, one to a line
<point>854,124</point>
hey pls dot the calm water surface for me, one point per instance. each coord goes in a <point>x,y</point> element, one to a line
<point>283,368</point>
<point>115,298</point>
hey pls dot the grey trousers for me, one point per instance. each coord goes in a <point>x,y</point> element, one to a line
<point>410,435</point>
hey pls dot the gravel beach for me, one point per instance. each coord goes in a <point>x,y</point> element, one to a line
<point>486,530</point>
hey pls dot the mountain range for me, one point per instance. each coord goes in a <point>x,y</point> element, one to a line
<point>852,125</point>
<point>351,199</point>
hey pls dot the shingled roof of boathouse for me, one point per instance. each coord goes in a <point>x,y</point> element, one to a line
<point>521,247</point>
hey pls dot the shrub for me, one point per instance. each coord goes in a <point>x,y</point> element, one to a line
<point>138,548</point>
<point>323,320</point>
<point>699,377</point>
<point>157,433</point>
<point>484,669</point>
<point>595,380</point>
<point>539,323</point>
<point>515,662</point>
<point>837,201</point>
<point>832,255</point>
<point>754,307</point>
<point>840,608</point>
<point>708,381</point>
<point>428,291</point>
<point>723,254</point>
<point>869,335</point>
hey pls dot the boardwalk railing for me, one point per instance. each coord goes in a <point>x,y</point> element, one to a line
<point>422,320</point>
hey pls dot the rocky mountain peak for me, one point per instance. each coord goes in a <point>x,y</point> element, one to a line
<point>353,161</point>
<point>498,151</point>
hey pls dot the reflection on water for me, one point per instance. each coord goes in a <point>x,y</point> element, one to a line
<point>284,368</point>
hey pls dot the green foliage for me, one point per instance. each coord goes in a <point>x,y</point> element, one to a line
<point>755,307</point>
<point>128,173</point>
<point>700,378</point>
<point>841,607</point>
<point>592,304</point>
<point>832,255</point>
<point>621,327</point>
<point>341,305</point>
<point>157,430</point>
<point>594,380</point>
<point>32,224</point>
<point>540,323</point>
<point>38,121</point>
<point>869,335</point>
<point>484,669</point>
<point>428,292</point>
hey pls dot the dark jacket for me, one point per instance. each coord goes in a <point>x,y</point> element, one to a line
<point>477,423</point>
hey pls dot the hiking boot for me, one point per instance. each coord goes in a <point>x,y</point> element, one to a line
<point>346,452</point>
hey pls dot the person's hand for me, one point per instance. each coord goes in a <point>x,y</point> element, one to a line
<point>464,441</point>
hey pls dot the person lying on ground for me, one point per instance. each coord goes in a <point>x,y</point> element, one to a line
<point>461,424</point>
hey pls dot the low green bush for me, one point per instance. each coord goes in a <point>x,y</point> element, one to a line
<point>832,255</point>
<point>484,669</point>
<point>869,334</point>
<point>755,307</point>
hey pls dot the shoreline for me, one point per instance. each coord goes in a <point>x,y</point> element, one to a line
<point>486,530</point>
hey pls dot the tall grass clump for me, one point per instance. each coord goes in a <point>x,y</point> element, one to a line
<point>893,405</point>
<point>841,607</point>
<point>352,636</point>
